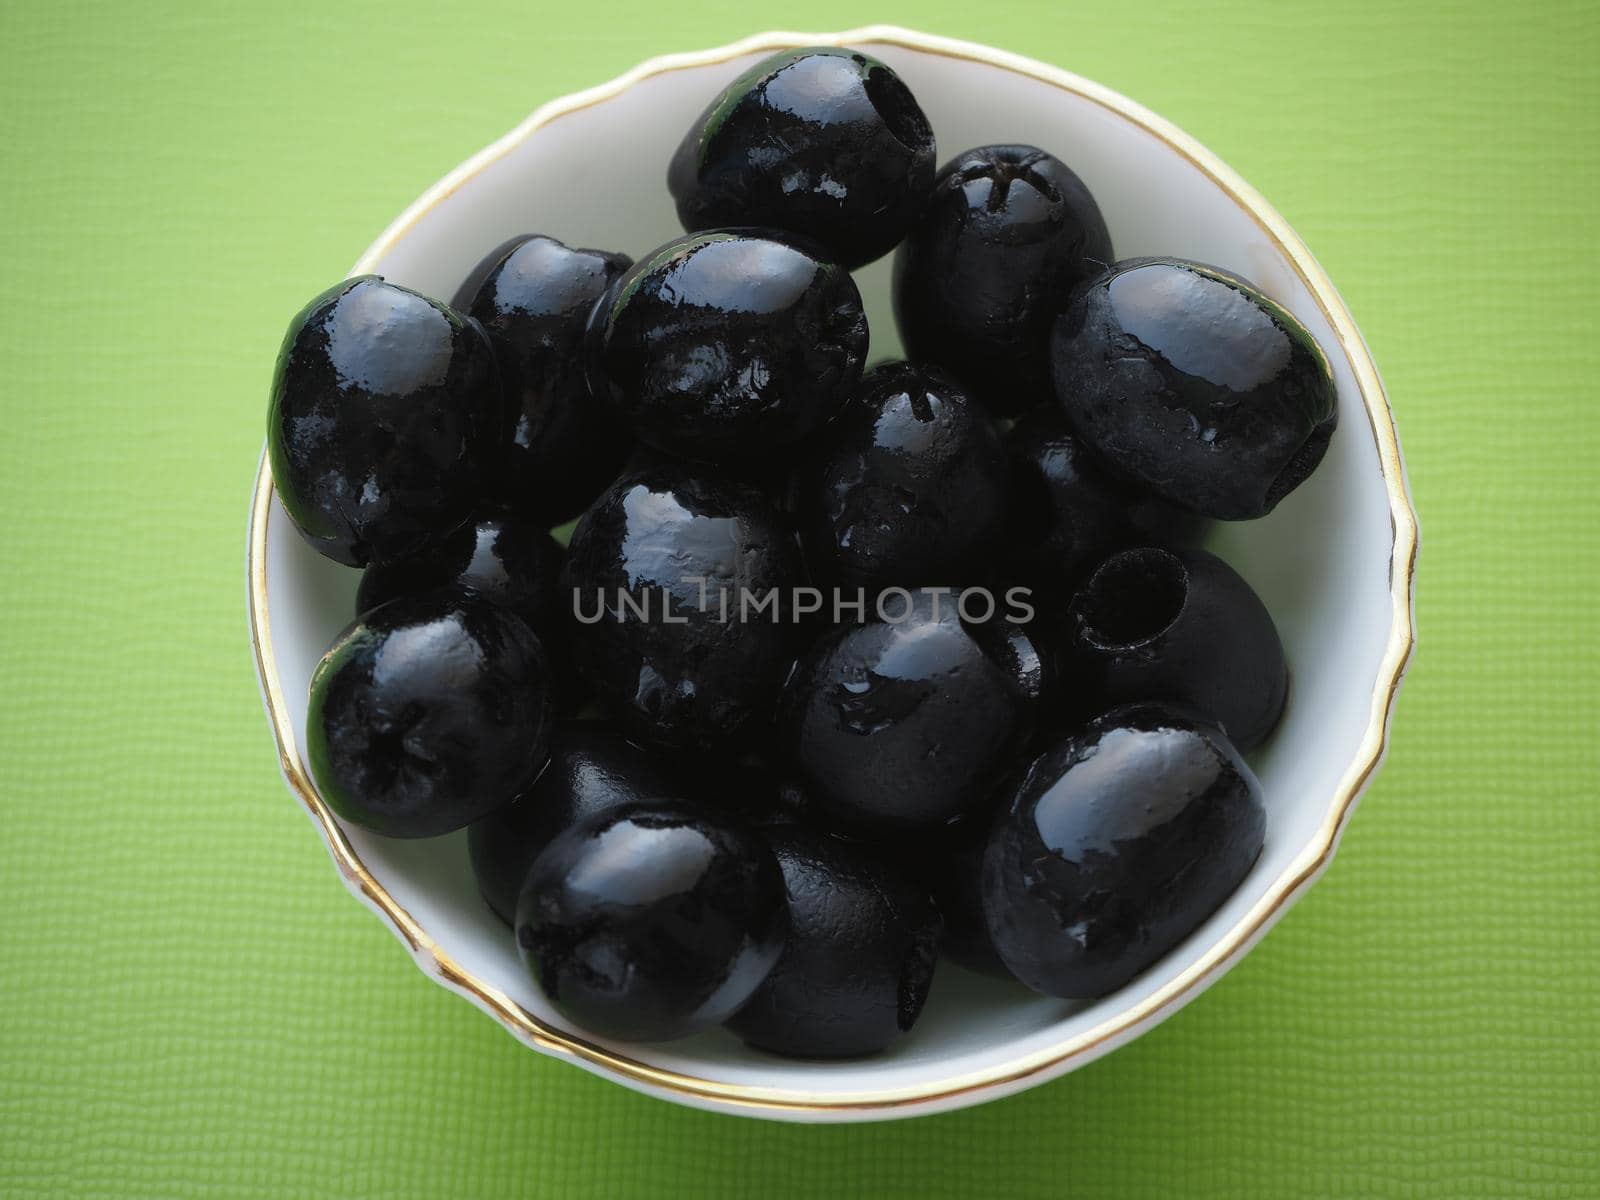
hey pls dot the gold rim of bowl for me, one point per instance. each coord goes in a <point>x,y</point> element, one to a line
<point>1081,1047</point>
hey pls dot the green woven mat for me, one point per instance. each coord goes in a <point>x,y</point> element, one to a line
<point>189,1002</point>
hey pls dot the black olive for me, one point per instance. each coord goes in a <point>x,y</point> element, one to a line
<point>562,445</point>
<point>1068,512</point>
<point>908,488</point>
<point>1194,385</point>
<point>859,959</point>
<point>727,344</point>
<point>653,922</point>
<point>593,769</point>
<point>1117,845</point>
<point>428,713</point>
<point>902,725</point>
<point>825,143</point>
<point>384,420</point>
<point>680,583</point>
<point>1008,233</point>
<point>1180,625</point>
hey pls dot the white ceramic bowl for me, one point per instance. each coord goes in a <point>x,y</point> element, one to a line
<point>1334,563</point>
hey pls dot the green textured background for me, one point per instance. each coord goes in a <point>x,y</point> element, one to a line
<point>189,1002</point>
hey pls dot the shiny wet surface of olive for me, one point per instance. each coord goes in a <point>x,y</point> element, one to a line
<point>656,563</point>
<point>1118,843</point>
<point>562,445</point>
<point>384,420</point>
<point>1194,385</point>
<point>1007,234</point>
<point>907,488</point>
<point>728,343</point>
<point>825,143</point>
<point>652,923</point>
<point>1179,624</point>
<point>901,726</point>
<point>592,770</point>
<point>859,958</point>
<point>427,714</point>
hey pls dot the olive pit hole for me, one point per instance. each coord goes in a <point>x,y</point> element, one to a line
<point>898,108</point>
<point>1133,597</point>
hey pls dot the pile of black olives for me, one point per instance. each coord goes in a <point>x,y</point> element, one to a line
<point>841,669</point>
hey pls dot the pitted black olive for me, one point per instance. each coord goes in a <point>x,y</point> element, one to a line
<point>908,487</point>
<point>1194,385</point>
<point>1007,235</point>
<point>1180,625</point>
<point>652,922</point>
<point>1117,845</point>
<point>562,445</point>
<point>680,582</point>
<point>859,958</point>
<point>904,725</point>
<point>728,344</point>
<point>428,713</point>
<point>384,420</point>
<point>825,143</point>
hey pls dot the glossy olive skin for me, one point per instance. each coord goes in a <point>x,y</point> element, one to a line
<point>859,959</point>
<point>901,726</point>
<point>1008,233</point>
<point>1067,512</point>
<point>1194,385</point>
<point>1117,844</point>
<point>593,769</point>
<point>908,488</point>
<point>696,680</point>
<point>428,713</point>
<point>725,344</point>
<point>500,554</point>
<point>824,143</point>
<point>1179,625</point>
<point>562,447</point>
<point>652,922</point>
<point>384,420</point>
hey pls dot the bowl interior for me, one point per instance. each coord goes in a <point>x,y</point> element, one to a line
<point>595,177</point>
